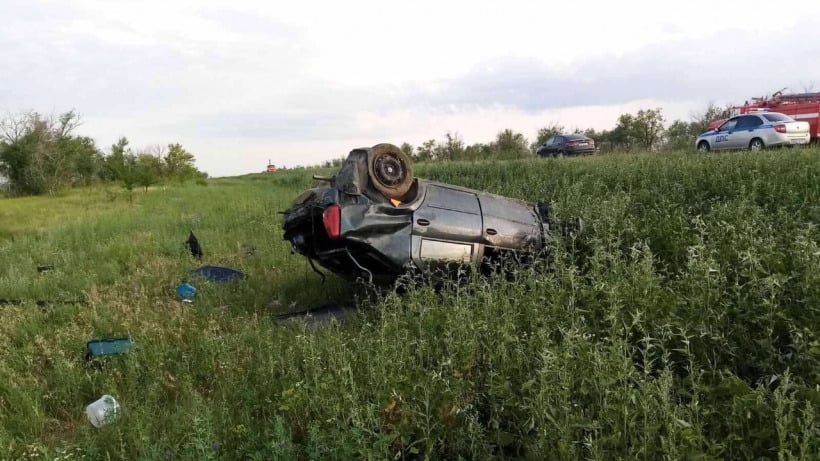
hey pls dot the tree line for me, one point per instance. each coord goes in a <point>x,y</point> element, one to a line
<point>41,154</point>
<point>643,130</point>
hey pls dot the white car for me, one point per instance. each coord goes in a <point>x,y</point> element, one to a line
<point>755,132</point>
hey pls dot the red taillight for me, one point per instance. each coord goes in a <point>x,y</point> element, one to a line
<point>572,143</point>
<point>332,219</point>
<point>780,128</point>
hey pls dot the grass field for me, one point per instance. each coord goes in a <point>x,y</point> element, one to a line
<point>682,325</point>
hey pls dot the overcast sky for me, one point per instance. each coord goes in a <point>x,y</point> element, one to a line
<point>239,83</point>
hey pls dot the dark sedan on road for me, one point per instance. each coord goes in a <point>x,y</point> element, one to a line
<point>566,144</point>
<point>373,221</point>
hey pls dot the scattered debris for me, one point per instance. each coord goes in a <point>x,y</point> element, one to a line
<point>318,315</point>
<point>45,268</point>
<point>103,411</point>
<point>193,246</point>
<point>186,291</point>
<point>247,249</point>
<point>104,347</point>
<point>218,274</point>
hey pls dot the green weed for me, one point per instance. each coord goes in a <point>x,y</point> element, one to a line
<point>683,325</point>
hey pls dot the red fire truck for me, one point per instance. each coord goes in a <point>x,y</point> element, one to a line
<point>804,107</point>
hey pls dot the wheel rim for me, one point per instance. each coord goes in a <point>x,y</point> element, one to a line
<point>757,144</point>
<point>703,147</point>
<point>389,170</point>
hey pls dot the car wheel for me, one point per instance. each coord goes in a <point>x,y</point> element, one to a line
<point>562,153</point>
<point>390,170</point>
<point>703,146</point>
<point>756,144</point>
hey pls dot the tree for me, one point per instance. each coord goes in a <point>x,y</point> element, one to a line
<point>407,149</point>
<point>452,149</point>
<point>701,120</point>
<point>85,158</point>
<point>644,129</point>
<point>157,150</point>
<point>148,170</point>
<point>647,128</point>
<point>39,154</point>
<point>334,163</point>
<point>546,132</point>
<point>114,164</point>
<point>425,152</point>
<point>66,123</point>
<point>478,151</point>
<point>15,162</point>
<point>621,137</point>
<point>179,163</point>
<point>679,134</point>
<point>592,134</point>
<point>122,165</point>
<point>13,127</point>
<point>129,174</point>
<point>509,142</point>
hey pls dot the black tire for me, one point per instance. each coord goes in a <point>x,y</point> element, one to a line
<point>561,153</point>
<point>390,170</point>
<point>703,146</point>
<point>756,144</point>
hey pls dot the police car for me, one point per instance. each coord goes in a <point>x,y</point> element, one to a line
<point>755,132</point>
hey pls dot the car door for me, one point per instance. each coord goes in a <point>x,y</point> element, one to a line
<point>509,224</point>
<point>724,137</point>
<point>746,130</point>
<point>551,145</point>
<point>447,228</point>
<point>559,144</point>
<point>546,148</point>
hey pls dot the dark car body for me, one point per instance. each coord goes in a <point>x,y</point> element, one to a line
<point>566,144</point>
<point>354,230</point>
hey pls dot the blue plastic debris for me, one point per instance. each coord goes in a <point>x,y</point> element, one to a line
<point>108,346</point>
<point>186,291</point>
<point>218,274</point>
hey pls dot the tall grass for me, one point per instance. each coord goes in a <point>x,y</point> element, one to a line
<point>683,325</point>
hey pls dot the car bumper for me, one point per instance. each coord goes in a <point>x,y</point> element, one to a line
<point>789,139</point>
<point>374,240</point>
<point>581,151</point>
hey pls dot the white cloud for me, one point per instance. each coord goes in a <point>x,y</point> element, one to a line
<point>240,82</point>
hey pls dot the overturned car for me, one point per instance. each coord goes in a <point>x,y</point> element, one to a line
<point>374,221</point>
